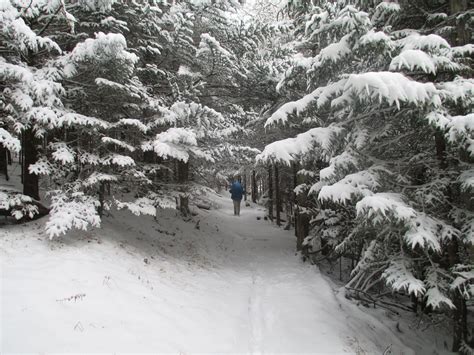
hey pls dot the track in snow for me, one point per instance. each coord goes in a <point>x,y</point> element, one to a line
<point>233,286</point>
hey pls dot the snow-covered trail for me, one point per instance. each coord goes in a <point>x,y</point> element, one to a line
<point>139,285</point>
<point>291,308</point>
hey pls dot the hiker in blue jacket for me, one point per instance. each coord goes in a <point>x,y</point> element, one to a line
<point>236,191</point>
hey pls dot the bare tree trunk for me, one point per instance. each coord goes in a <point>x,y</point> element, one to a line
<point>460,312</point>
<point>245,186</point>
<point>277,196</point>
<point>100,210</point>
<point>183,178</point>
<point>254,187</point>
<point>440,143</point>
<point>462,35</point>
<point>30,151</point>
<point>270,192</point>
<point>301,227</point>
<point>294,168</point>
<point>4,161</point>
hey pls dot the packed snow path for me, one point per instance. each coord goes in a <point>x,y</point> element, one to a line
<point>223,284</point>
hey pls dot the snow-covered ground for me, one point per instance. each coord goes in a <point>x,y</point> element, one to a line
<point>216,283</point>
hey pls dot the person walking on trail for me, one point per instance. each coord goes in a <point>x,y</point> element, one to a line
<point>236,191</point>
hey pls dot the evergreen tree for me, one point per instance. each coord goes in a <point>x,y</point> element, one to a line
<point>380,110</point>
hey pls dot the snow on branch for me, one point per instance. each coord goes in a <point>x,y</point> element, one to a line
<point>467,179</point>
<point>344,161</point>
<point>41,167</point>
<point>203,120</point>
<point>209,44</point>
<point>101,82</point>
<point>347,20</point>
<point>97,5</point>
<point>89,158</point>
<point>13,26</point>
<point>173,143</point>
<point>393,88</point>
<point>322,94</point>
<point>423,42</point>
<point>464,277</point>
<point>462,127</point>
<point>62,153</point>
<point>17,204</point>
<point>460,89</point>
<point>141,206</point>
<point>118,159</point>
<point>147,205</point>
<point>438,288</point>
<point>384,10</point>
<point>421,229</point>
<point>333,52</point>
<point>178,136</point>
<point>134,123</point>
<point>103,48</point>
<point>97,177</point>
<point>362,183</point>
<point>77,211</point>
<point>15,72</point>
<point>72,118</point>
<point>380,205</point>
<point>118,143</point>
<point>426,231</point>
<point>287,150</point>
<point>387,86</point>
<point>201,154</point>
<point>413,59</point>
<point>8,141</point>
<point>378,37</point>
<point>400,278</point>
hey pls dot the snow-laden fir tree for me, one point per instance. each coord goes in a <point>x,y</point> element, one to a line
<point>109,90</point>
<point>387,106</point>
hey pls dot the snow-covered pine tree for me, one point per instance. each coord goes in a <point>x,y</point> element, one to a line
<point>213,88</point>
<point>86,102</point>
<point>388,106</point>
<point>31,94</point>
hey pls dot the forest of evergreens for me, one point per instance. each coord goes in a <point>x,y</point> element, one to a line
<point>351,120</point>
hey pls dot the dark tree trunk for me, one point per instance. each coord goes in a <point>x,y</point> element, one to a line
<point>4,161</point>
<point>183,178</point>
<point>462,35</point>
<point>460,312</point>
<point>277,196</point>
<point>254,187</point>
<point>245,186</point>
<point>270,192</point>
<point>183,172</point>
<point>100,210</point>
<point>301,227</point>
<point>149,157</point>
<point>440,143</point>
<point>294,169</point>
<point>21,158</point>
<point>30,156</point>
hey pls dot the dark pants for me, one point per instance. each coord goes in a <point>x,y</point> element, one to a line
<point>236,207</point>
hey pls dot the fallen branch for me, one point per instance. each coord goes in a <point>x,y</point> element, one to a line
<point>379,302</point>
<point>203,207</point>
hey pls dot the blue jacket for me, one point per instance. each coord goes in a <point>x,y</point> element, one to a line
<point>236,191</point>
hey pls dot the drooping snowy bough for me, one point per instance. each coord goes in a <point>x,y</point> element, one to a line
<point>396,191</point>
